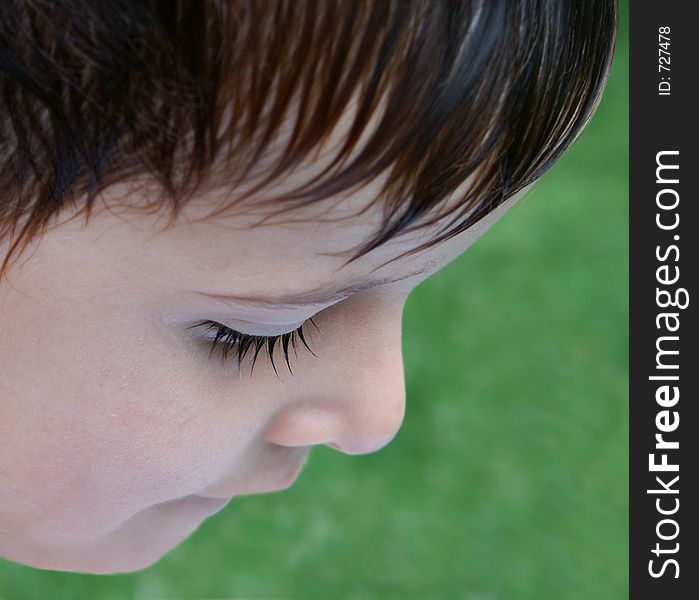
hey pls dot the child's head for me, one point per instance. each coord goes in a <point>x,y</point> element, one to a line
<point>267,181</point>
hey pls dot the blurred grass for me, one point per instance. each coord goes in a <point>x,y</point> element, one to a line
<point>509,477</point>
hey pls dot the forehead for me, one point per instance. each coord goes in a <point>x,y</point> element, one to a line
<point>303,248</point>
<point>313,241</point>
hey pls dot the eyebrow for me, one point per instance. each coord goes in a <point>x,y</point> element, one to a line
<point>311,297</point>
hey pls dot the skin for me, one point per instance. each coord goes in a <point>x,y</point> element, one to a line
<point>120,435</point>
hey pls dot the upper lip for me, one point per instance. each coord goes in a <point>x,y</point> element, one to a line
<point>213,497</point>
<point>278,486</point>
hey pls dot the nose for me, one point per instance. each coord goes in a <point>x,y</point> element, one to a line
<point>351,396</point>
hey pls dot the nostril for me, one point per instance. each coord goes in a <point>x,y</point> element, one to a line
<point>363,446</point>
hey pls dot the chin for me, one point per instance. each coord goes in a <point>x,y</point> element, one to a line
<point>89,562</point>
<point>124,551</point>
<point>134,545</point>
<point>119,567</point>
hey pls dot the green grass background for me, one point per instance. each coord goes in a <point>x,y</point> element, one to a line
<point>508,479</point>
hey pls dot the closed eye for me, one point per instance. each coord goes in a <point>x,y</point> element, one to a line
<point>231,341</point>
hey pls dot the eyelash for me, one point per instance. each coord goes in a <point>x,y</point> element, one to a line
<point>230,340</point>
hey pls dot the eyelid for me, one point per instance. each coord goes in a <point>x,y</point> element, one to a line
<point>257,329</point>
<point>230,340</point>
<point>306,299</point>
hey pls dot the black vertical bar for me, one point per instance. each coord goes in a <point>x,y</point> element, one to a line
<point>664,549</point>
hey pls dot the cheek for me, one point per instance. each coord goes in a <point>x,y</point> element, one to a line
<point>96,428</point>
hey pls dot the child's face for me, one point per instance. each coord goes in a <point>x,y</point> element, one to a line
<point>120,436</point>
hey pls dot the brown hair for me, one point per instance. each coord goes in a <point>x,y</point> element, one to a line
<point>188,92</point>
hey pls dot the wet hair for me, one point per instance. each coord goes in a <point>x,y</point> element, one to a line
<point>192,95</point>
